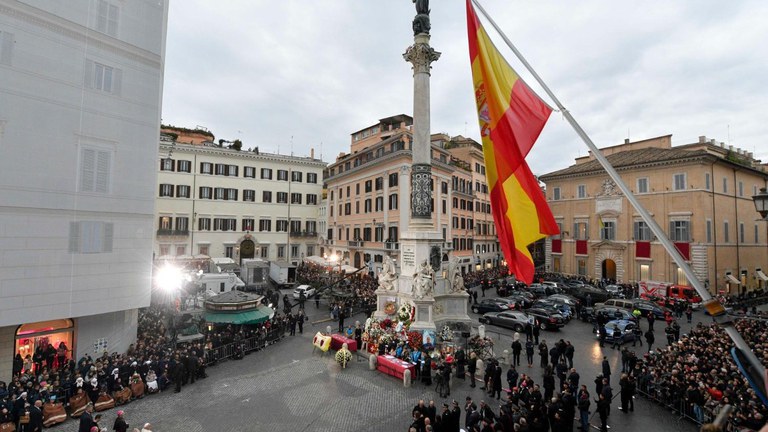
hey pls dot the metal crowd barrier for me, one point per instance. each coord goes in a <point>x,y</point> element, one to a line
<point>247,346</point>
<point>679,406</point>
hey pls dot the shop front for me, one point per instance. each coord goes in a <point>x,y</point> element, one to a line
<point>31,336</point>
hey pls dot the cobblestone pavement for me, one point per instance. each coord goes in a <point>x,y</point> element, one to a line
<point>287,387</point>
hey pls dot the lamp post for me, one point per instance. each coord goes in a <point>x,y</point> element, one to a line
<point>761,205</point>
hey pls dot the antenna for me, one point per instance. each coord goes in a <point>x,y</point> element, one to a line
<point>291,145</point>
<point>729,134</point>
<point>321,150</point>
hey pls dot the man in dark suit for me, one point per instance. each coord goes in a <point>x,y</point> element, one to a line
<point>36,417</point>
<point>86,420</point>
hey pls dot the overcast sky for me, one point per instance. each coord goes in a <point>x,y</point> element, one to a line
<point>291,75</point>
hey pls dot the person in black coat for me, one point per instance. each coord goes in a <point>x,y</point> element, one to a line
<point>543,351</point>
<point>650,339</point>
<point>603,408</point>
<point>606,369</point>
<point>35,417</point>
<point>569,353</point>
<point>461,361</point>
<point>472,368</point>
<point>536,331</point>
<point>496,389</point>
<point>626,392</point>
<point>86,420</point>
<point>517,348</point>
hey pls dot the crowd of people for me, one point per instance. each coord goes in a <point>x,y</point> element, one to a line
<point>698,376</point>
<point>154,363</point>
<point>549,404</point>
<point>342,291</point>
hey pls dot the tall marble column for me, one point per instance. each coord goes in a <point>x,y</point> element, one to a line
<point>421,56</point>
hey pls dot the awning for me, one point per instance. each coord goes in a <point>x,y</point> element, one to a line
<point>254,316</point>
<point>762,276</point>
<point>732,280</point>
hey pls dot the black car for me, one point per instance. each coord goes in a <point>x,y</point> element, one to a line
<point>523,300</point>
<point>490,305</point>
<point>614,313</point>
<point>547,318</point>
<point>646,307</point>
<point>596,294</point>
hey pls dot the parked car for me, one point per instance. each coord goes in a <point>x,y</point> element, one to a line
<point>490,305</point>
<point>614,313</point>
<point>615,291</point>
<point>514,320</point>
<point>523,299</point>
<point>625,327</point>
<point>620,303</point>
<point>548,318</point>
<point>645,307</point>
<point>563,308</point>
<point>308,291</point>
<point>597,294</point>
<point>564,298</point>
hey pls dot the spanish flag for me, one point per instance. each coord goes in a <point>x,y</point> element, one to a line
<point>511,118</point>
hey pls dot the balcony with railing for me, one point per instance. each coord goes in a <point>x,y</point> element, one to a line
<point>306,234</point>
<point>390,245</point>
<point>172,232</point>
<point>356,243</point>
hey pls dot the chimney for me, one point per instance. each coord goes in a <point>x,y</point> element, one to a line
<point>312,152</point>
<point>730,147</point>
<point>626,140</point>
<point>712,141</point>
<point>702,139</point>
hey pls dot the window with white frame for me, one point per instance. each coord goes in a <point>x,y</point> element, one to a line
<point>204,224</point>
<point>679,182</point>
<point>581,230</point>
<point>312,178</point>
<point>295,198</point>
<point>680,230</point>
<point>248,224</point>
<point>266,174</point>
<point>642,231</point>
<point>282,175</point>
<point>249,172</point>
<point>166,164</point>
<point>281,225</point>
<point>182,224</point>
<point>265,225</point>
<point>312,199</point>
<point>741,189</point>
<point>296,176</point>
<point>205,192</point>
<point>282,197</point>
<point>107,17</point>
<point>184,166</point>
<point>608,230</point>
<point>642,185</point>
<point>183,191</point>
<point>249,195</point>
<point>104,78</point>
<point>95,170</point>
<point>581,191</point>
<point>266,196</point>
<point>88,237</point>
<point>166,190</point>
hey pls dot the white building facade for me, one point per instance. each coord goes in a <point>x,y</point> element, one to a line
<point>80,97</point>
<point>240,204</point>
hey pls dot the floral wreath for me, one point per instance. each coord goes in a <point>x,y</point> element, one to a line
<point>390,308</point>
<point>406,313</point>
<point>446,334</point>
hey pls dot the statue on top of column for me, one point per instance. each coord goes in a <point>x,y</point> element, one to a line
<point>421,22</point>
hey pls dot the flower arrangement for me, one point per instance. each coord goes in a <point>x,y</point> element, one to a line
<point>446,335</point>
<point>386,324</point>
<point>414,339</point>
<point>405,313</point>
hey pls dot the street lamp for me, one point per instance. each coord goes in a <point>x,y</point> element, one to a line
<point>761,203</point>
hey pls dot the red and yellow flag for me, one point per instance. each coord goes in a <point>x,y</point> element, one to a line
<point>511,118</point>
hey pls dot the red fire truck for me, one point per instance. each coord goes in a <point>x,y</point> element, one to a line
<point>667,293</point>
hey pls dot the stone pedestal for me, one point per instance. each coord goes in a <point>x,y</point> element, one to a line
<point>424,314</point>
<point>384,297</point>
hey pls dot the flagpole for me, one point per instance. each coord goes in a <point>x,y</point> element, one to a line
<point>706,297</point>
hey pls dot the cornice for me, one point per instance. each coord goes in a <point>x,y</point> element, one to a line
<point>216,151</point>
<point>79,33</point>
<point>601,171</point>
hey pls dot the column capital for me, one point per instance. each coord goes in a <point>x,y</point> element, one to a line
<point>421,55</point>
